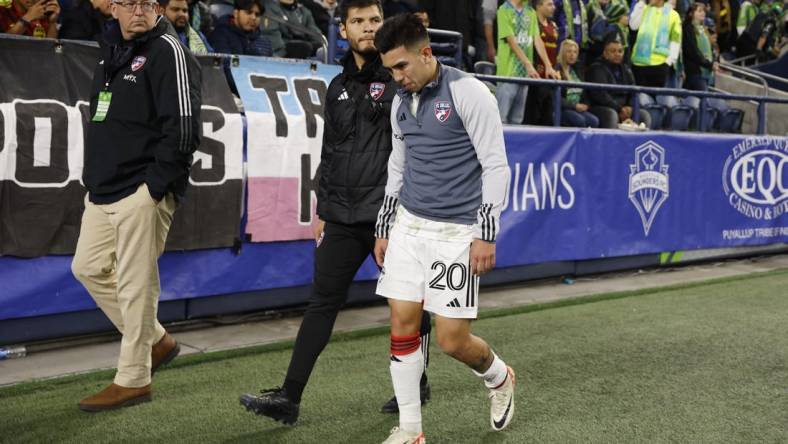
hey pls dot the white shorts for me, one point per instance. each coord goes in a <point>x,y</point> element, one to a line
<point>429,262</point>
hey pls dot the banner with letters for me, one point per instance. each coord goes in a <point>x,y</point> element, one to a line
<point>283,101</point>
<point>43,113</point>
<point>574,194</point>
<point>581,194</point>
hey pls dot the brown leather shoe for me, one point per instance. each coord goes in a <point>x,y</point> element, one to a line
<point>115,397</point>
<point>163,352</point>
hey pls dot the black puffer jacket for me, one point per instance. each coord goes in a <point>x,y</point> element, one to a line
<point>356,143</point>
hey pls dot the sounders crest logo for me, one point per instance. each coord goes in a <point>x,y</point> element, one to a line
<point>755,177</point>
<point>648,182</point>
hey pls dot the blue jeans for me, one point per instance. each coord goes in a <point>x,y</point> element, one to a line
<point>511,102</point>
<point>585,119</point>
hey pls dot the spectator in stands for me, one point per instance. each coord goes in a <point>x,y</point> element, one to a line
<point>177,12</point>
<point>748,10</point>
<point>272,30</point>
<point>85,20</point>
<point>572,19</point>
<point>722,12</point>
<point>598,25</point>
<point>539,104</point>
<point>699,64</point>
<point>548,32</point>
<point>299,31</point>
<point>518,35</point>
<point>463,16</point>
<point>658,43</point>
<point>34,18</point>
<point>240,34</point>
<point>489,8</point>
<point>612,107</point>
<point>200,15</point>
<point>617,16</point>
<point>762,35</point>
<point>574,107</point>
<point>322,11</point>
<point>715,47</point>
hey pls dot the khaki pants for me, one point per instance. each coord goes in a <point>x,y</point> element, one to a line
<point>116,260</point>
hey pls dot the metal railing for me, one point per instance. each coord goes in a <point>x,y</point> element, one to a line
<point>558,85</point>
<point>763,77</point>
<point>333,30</point>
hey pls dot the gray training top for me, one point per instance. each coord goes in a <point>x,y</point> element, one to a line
<point>448,162</point>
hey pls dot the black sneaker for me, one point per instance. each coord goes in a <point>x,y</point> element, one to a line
<point>392,407</point>
<point>273,403</point>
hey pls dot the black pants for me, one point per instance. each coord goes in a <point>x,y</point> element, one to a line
<point>539,106</point>
<point>337,259</point>
<point>656,76</point>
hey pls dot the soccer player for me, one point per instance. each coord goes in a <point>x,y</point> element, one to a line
<point>352,178</point>
<point>436,230</point>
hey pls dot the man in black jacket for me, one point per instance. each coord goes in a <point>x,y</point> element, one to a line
<point>612,107</point>
<point>352,178</point>
<point>143,128</point>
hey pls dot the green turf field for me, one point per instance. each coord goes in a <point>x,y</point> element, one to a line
<point>698,363</point>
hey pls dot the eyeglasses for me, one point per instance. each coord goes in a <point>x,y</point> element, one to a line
<point>131,6</point>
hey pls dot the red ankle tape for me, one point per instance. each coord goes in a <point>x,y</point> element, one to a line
<point>405,345</point>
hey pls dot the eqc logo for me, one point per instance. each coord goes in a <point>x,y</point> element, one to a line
<point>755,178</point>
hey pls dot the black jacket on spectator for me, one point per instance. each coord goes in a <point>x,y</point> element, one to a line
<point>82,22</point>
<point>319,13</point>
<point>356,143</point>
<point>463,16</point>
<point>150,130</point>
<point>227,38</point>
<point>603,72</point>
<point>693,58</point>
<point>297,26</point>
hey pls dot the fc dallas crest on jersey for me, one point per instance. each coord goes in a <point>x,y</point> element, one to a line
<point>376,90</point>
<point>442,111</point>
<point>138,63</point>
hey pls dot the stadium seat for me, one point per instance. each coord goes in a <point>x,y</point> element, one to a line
<point>657,111</point>
<point>486,68</point>
<point>710,114</point>
<point>680,117</point>
<point>730,120</point>
<point>220,10</point>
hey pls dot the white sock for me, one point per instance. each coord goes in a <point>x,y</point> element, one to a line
<point>496,374</point>
<point>406,373</point>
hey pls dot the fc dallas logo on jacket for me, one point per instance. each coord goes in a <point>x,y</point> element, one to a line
<point>138,63</point>
<point>376,90</point>
<point>442,111</point>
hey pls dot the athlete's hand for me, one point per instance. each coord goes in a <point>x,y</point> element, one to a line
<point>319,230</point>
<point>482,256</point>
<point>380,250</point>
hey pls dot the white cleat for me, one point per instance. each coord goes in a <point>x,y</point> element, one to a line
<point>502,402</point>
<point>402,436</point>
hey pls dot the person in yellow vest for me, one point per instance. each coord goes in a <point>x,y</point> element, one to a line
<point>658,43</point>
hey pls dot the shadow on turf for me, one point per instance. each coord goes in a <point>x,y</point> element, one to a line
<point>277,433</point>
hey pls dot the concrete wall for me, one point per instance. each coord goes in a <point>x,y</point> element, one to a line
<point>776,114</point>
